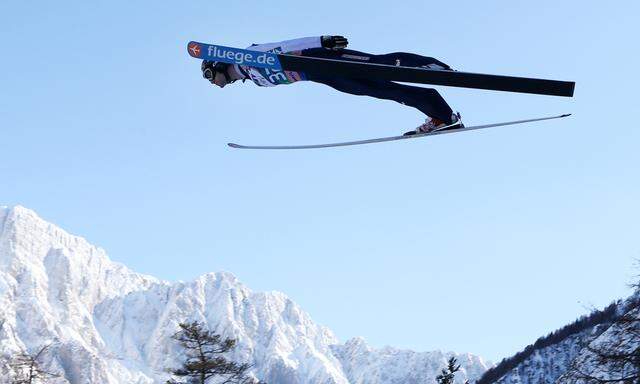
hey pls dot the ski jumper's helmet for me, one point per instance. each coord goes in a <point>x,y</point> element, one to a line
<point>210,68</point>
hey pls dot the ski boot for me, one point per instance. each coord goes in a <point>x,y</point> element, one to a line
<point>432,124</point>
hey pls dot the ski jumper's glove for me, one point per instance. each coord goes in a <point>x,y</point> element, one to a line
<point>334,42</point>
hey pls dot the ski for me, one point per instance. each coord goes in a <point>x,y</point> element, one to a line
<point>321,66</point>
<point>343,68</point>
<point>394,138</point>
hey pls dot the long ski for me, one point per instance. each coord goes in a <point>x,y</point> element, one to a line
<point>393,138</point>
<point>350,69</point>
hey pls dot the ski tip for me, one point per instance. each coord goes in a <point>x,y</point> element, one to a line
<point>194,49</point>
<point>234,145</point>
<point>566,115</point>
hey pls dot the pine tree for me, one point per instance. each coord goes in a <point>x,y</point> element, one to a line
<point>204,351</point>
<point>448,374</point>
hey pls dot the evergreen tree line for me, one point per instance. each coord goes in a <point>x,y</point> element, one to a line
<point>607,315</point>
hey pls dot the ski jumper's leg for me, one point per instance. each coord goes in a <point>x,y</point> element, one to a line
<point>426,100</point>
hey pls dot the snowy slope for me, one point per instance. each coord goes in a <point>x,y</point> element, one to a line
<point>622,337</point>
<point>365,365</point>
<point>551,358</point>
<point>547,364</point>
<point>107,324</point>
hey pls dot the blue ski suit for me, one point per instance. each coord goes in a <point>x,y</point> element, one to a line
<point>427,100</point>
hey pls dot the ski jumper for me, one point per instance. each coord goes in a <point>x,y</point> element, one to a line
<point>427,100</point>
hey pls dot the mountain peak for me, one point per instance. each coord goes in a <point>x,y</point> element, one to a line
<point>112,325</point>
<point>357,343</point>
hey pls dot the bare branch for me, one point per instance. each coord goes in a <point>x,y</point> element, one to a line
<point>29,368</point>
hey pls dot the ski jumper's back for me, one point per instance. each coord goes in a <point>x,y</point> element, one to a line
<point>265,77</point>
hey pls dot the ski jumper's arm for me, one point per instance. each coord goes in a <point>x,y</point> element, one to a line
<point>289,46</point>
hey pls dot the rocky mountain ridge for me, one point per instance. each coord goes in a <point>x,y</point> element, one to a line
<point>108,324</point>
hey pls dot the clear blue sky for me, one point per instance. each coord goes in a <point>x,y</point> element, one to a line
<point>476,242</point>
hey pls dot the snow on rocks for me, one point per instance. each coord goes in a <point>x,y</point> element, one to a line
<point>108,324</point>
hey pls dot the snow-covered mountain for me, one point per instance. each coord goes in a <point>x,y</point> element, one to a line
<point>556,357</point>
<point>107,324</point>
<point>363,364</point>
<point>612,355</point>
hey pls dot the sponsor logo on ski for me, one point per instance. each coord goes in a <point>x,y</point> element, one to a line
<point>240,56</point>
<point>194,49</point>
